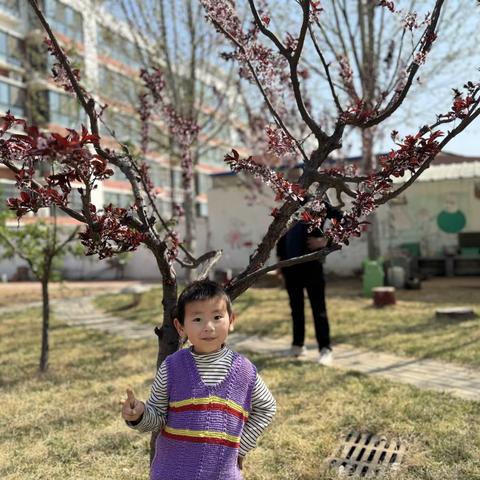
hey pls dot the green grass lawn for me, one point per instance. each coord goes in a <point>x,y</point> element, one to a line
<point>408,328</point>
<point>66,424</point>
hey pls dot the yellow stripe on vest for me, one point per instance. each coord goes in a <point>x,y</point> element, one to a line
<point>201,434</point>
<point>208,400</point>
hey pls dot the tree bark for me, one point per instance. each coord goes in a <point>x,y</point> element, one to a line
<point>373,233</point>
<point>45,322</point>
<point>167,334</point>
<point>190,228</point>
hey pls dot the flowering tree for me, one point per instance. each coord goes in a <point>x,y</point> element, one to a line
<point>273,64</point>
<point>196,92</point>
<point>364,96</point>
<point>373,44</point>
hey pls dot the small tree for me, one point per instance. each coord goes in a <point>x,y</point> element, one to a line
<point>272,63</point>
<point>42,245</point>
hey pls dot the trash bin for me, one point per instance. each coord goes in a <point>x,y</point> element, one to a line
<point>373,276</point>
<point>396,277</point>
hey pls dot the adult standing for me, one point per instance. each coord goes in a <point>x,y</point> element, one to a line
<point>307,276</point>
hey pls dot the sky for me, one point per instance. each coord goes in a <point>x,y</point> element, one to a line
<point>459,27</point>
<point>468,142</point>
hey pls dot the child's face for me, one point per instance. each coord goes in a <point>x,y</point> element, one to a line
<point>206,324</point>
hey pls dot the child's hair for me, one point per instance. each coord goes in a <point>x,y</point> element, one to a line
<point>201,290</point>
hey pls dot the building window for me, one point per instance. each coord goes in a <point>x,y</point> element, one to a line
<point>11,49</point>
<point>177,179</point>
<point>117,86</point>
<point>204,183</point>
<point>63,110</point>
<point>12,7</point>
<point>7,190</point>
<point>202,209</point>
<point>125,127</point>
<point>113,45</point>
<point>158,174</point>
<point>64,19</point>
<point>117,199</point>
<point>164,207</point>
<point>12,98</point>
<point>158,139</point>
<point>74,202</point>
<point>213,156</point>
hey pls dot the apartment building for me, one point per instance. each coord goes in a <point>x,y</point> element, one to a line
<point>106,53</point>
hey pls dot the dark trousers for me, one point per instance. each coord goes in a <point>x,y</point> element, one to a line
<point>307,276</point>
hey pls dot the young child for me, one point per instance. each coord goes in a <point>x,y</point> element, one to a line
<point>208,401</point>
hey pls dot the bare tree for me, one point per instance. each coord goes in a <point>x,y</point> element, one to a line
<point>42,245</point>
<point>176,40</point>
<point>273,64</point>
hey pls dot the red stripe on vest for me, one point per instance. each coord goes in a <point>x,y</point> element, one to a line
<point>217,441</point>
<point>209,406</point>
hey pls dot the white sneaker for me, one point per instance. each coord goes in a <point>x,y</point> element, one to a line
<point>325,357</point>
<point>298,352</point>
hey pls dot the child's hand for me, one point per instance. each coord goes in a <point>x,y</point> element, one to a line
<point>132,408</point>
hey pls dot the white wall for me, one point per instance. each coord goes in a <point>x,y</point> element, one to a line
<point>236,223</point>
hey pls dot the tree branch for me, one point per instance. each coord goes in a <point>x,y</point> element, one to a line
<point>397,100</point>
<point>237,287</point>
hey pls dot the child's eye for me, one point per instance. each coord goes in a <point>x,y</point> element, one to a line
<point>218,317</point>
<point>196,319</point>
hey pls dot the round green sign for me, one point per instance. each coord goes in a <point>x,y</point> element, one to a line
<point>451,222</point>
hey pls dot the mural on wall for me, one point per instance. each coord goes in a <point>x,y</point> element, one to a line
<point>451,219</point>
<point>238,235</point>
<point>431,220</point>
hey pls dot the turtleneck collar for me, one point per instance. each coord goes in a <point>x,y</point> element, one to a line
<point>211,357</point>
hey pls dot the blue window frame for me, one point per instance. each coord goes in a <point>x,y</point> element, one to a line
<point>11,49</point>
<point>117,86</point>
<point>64,19</point>
<point>64,110</point>
<point>12,98</point>
<point>12,7</point>
<point>111,44</point>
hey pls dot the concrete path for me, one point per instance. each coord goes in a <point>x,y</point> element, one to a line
<point>81,312</point>
<point>460,381</point>
<point>427,374</point>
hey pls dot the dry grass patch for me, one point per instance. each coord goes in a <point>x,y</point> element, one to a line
<point>408,328</point>
<point>18,293</point>
<point>66,424</point>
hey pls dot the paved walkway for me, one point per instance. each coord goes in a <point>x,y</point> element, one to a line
<point>460,381</point>
<point>423,373</point>
<point>82,312</point>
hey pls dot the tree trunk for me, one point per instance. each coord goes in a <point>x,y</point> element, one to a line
<point>373,233</point>
<point>167,334</point>
<point>172,185</point>
<point>45,323</point>
<point>190,228</point>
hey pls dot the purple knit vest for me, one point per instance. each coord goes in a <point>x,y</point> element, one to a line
<point>201,438</point>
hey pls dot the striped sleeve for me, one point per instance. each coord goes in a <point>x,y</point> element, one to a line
<point>156,407</point>
<point>263,410</point>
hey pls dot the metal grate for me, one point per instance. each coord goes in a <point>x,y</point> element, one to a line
<point>366,455</point>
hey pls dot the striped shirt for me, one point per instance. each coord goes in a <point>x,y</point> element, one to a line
<point>213,368</point>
